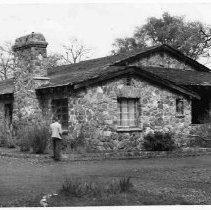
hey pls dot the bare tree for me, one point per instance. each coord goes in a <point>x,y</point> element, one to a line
<point>76,51</point>
<point>7,61</point>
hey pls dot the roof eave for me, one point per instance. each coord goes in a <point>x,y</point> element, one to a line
<point>132,70</point>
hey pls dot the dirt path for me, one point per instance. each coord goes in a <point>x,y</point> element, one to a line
<point>27,177</point>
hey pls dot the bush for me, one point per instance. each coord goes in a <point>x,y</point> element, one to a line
<point>35,138</point>
<point>39,136</point>
<point>78,187</point>
<point>6,137</point>
<point>24,143</point>
<point>159,141</point>
<point>79,142</point>
<point>125,184</point>
<point>74,187</point>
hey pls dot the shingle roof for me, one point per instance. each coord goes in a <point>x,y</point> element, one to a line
<point>90,69</point>
<point>98,62</point>
<point>181,77</point>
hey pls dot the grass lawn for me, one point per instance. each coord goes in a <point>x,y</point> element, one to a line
<point>160,181</point>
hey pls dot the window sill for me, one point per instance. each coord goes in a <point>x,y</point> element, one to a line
<point>127,129</point>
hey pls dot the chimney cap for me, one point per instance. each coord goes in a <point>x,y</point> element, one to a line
<point>33,39</point>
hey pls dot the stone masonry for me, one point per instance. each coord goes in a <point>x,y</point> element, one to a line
<point>93,112</point>
<point>30,73</point>
<point>163,60</point>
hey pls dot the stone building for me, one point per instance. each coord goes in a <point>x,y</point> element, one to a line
<point>113,101</point>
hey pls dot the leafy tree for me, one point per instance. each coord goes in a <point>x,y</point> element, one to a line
<point>191,38</point>
<point>53,60</point>
<point>127,44</point>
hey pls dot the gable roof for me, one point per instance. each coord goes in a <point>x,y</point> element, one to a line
<point>123,59</point>
<point>168,49</point>
<point>91,69</point>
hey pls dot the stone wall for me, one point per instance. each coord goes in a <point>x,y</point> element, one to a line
<point>93,113</point>
<point>163,60</point>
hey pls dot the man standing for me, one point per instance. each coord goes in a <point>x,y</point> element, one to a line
<point>56,135</point>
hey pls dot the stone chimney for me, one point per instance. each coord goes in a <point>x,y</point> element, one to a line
<point>34,42</point>
<point>30,73</point>
<point>32,49</point>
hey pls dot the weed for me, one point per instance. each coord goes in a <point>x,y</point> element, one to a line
<point>6,136</point>
<point>39,139</point>
<point>125,184</point>
<point>78,187</point>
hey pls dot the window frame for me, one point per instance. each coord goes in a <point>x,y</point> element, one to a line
<point>132,123</point>
<point>179,113</point>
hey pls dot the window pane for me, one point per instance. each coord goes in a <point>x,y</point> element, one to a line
<point>136,111</point>
<point>127,112</point>
<point>124,113</point>
<point>179,106</point>
<point>64,109</point>
<point>131,107</point>
<point>119,112</point>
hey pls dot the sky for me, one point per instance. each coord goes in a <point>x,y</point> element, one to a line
<point>95,24</point>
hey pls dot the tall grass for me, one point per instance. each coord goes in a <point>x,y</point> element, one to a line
<point>35,138</point>
<point>78,187</point>
<point>6,134</point>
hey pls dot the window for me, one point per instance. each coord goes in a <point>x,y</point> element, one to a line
<point>8,113</point>
<point>60,109</point>
<point>179,106</point>
<point>200,111</point>
<point>127,112</point>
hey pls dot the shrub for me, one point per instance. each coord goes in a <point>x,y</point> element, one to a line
<point>159,141</point>
<point>125,184</point>
<point>6,137</point>
<point>24,143</point>
<point>78,187</point>
<point>39,136</point>
<point>74,187</point>
<point>24,140</point>
<point>36,137</point>
<point>80,142</point>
